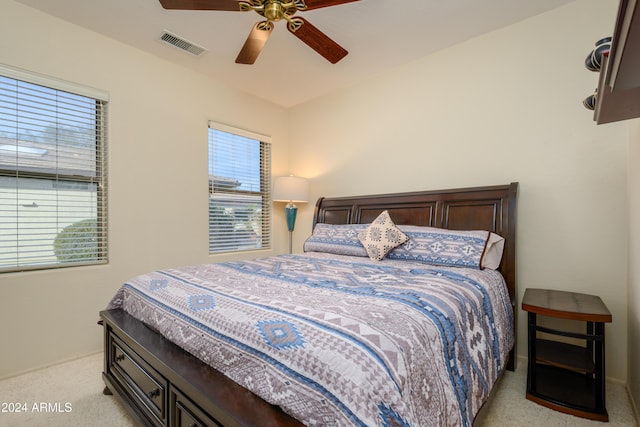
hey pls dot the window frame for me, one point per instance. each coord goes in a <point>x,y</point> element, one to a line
<point>97,177</point>
<point>264,192</point>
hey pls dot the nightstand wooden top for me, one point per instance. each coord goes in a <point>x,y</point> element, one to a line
<point>566,305</point>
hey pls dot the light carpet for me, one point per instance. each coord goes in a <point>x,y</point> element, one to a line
<point>70,394</point>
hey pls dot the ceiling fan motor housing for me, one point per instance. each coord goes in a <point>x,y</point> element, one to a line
<point>276,10</point>
<point>273,11</point>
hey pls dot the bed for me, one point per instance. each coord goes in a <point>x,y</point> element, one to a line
<point>332,336</point>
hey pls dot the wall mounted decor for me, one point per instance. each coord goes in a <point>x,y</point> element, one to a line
<point>594,59</point>
<point>618,95</point>
<point>593,62</point>
<point>590,101</point>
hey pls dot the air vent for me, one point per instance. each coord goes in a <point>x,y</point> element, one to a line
<point>181,43</point>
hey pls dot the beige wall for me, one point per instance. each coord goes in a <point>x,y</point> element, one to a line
<point>503,107</point>
<point>633,379</point>
<point>158,115</point>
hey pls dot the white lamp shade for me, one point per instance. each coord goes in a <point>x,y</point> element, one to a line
<point>290,189</point>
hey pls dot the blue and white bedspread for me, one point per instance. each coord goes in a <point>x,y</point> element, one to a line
<point>339,340</point>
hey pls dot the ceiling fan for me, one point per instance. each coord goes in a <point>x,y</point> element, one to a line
<point>273,11</point>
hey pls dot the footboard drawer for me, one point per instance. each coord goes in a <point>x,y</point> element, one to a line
<point>185,413</point>
<point>140,379</point>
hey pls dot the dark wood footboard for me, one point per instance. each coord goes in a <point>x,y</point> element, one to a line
<point>162,385</point>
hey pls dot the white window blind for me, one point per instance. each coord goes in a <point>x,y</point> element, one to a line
<point>53,174</point>
<point>239,190</point>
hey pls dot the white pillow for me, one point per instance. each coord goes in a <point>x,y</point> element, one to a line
<point>493,252</point>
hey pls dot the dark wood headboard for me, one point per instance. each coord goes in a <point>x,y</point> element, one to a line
<point>490,208</point>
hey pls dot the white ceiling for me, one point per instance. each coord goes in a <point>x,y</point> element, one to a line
<point>379,34</point>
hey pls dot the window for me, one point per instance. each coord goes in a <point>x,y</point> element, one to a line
<point>52,173</point>
<point>239,190</point>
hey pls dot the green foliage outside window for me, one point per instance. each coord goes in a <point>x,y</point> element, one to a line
<point>77,242</point>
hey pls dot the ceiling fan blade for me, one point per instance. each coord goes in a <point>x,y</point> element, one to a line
<point>317,4</point>
<point>254,43</point>
<point>317,40</point>
<point>230,5</point>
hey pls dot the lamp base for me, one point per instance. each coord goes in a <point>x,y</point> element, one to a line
<point>290,212</point>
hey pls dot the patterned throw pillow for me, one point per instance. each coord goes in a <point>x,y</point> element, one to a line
<point>381,237</point>
<point>339,239</point>
<point>452,248</point>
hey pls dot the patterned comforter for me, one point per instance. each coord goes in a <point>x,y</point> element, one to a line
<point>339,340</point>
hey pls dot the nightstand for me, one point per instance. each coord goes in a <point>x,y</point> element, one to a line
<point>561,376</point>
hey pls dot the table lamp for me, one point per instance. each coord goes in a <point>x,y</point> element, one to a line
<point>290,189</point>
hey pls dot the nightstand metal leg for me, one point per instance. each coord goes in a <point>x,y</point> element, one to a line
<point>599,361</point>
<point>531,377</point>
